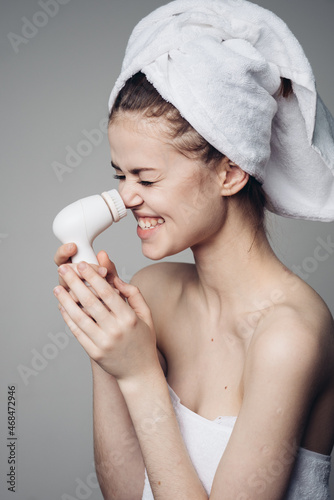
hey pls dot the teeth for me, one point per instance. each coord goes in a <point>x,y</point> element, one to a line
<point>147,223</point>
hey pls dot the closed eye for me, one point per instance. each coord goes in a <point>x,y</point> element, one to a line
<point>146,183</point>
<point>122,178</point>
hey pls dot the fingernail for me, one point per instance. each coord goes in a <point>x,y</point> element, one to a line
<point>70,246</point>
<point>56,290</point>
<point>102,271</point>
<point>82,266</point>
<point>62,269</point>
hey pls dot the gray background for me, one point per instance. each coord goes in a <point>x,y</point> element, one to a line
<point>53,88</point>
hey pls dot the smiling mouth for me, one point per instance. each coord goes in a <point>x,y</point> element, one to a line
<point>150,222</point>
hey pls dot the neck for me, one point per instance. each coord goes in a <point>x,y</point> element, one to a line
<point>235,268</point>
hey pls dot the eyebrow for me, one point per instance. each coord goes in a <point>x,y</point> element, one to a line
<point>133,171</point>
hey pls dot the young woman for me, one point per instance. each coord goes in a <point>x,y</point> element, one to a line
<point>213,379</point>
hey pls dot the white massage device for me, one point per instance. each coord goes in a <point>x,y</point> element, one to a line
<point>82,221</point>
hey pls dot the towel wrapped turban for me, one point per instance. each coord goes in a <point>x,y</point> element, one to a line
<point>220,63</point>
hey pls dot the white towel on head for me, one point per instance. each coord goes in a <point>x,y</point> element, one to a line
<point>220,63</point>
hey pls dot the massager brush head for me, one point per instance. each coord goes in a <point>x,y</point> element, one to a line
<point>115,204</point>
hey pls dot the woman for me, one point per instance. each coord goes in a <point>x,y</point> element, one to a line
<point>213,379</point>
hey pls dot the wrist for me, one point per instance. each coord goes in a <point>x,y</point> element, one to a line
<point>99,372</point>
<point>148,401</point>
<point>150,380</point>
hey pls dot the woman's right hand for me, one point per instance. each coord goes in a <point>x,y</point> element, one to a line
<point>106,269</point>
<point>63,256</point>
<point>64,253</point>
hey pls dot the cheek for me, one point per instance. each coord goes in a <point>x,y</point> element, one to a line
<point>201,202</point>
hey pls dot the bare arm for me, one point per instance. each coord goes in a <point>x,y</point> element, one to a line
<point>116,448</point>
<point>118,459</point>
<point>171,473</point>
<point>283,375</point>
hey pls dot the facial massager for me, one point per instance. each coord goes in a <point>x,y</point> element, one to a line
<point>82,221</point>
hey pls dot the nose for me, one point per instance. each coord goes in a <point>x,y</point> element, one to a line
<point>129,194</point>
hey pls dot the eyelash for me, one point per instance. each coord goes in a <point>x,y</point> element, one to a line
<point>143,183</point>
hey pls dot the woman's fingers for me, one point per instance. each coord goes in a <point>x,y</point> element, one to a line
<point>64,253</point>
<point>72,294</point>
<point>81,336</point>
<point>135,300</point>
<point>63,256</point>
<point>99,300</point>
<point>78,321</point>
<point>102,302</point>
<point>117,334</point>
<point>104,261</point>
<point>105,291</point>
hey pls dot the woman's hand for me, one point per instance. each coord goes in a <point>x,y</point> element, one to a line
<point>114,324</point>
<point>63,256</point>
<point>106,269</point>
<point>65,252</point>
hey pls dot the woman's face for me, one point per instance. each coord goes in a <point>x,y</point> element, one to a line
<point>175,200</point>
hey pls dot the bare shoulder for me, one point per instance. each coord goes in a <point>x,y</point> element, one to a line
<point>296,335</point>
<point>290,366</point>
<point>163,283</point>
<point>165,271</point>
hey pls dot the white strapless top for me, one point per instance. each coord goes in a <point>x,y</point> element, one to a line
<point>206,441</point>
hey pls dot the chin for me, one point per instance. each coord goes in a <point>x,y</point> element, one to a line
<point>153,253</point>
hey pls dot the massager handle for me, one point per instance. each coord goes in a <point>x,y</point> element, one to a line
<point>82,221</point>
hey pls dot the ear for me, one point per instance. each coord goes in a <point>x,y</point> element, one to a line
<point>232,178</point>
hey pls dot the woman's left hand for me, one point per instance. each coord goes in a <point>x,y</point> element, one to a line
<point>113,325</point>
